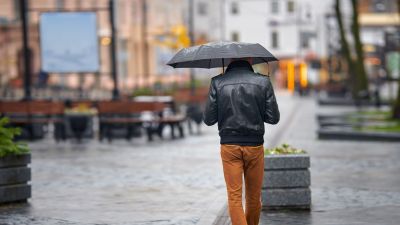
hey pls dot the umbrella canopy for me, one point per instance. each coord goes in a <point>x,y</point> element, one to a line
<point>218,54</point>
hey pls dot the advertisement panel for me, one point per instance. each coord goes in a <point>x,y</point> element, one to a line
<point>68,42</point>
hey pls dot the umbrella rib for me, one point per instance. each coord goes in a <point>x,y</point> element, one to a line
<point>197,52</point>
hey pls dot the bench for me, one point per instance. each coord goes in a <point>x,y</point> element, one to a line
<point>123,115</point>
<point>174,121</point>
<point>168,117</point>
<point>128,115</point>
<point>32,116</point>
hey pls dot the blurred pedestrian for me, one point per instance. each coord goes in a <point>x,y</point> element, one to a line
<point>43,78</point>
<point>240,101</point>
<point>378,83</point>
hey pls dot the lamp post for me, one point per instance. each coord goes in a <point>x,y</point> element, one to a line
<point>146,69</point>
<point>25,50</point>
<point>114,71</point>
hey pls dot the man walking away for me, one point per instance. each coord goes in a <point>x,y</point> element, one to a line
<point>241,101</point>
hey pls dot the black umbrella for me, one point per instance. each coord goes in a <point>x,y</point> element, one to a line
<point>217,54</point>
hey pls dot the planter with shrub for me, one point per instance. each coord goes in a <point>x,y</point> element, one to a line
<point>14,171</point>
<point>286,178</point>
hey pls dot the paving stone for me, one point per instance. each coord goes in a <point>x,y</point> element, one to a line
<point>14,175</point>
<point>281,197</point>
<point>286,161</point>
<point>353,182</point>
<point>12,193</point>
<point>12,160</point>
<point>286,178</point>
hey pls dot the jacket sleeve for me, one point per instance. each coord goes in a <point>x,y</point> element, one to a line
<point>210,115</point>
<point>272,114</point>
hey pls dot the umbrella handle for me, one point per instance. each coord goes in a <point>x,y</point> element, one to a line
<point>223,66</point>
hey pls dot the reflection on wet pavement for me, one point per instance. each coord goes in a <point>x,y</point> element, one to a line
<point>164,182</point>
<point>352,182</point>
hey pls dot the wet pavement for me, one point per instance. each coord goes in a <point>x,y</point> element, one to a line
<point>163,182</point>
<point>181,182</point>
<point>352,182</point>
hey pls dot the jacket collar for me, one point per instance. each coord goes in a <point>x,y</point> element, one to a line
<point>239,65</point>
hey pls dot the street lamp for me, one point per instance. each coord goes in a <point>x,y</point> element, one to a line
<point>25,50</point>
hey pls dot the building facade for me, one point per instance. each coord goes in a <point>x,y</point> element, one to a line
<point>293,30</point>
<point>380,34</point>
<point>140,56</point>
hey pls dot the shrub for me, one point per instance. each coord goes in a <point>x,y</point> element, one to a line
<point>143,91</point>
<point>284,149</point>
<point>7,144</point>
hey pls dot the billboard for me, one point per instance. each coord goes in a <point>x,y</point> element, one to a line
<point>68,42</point>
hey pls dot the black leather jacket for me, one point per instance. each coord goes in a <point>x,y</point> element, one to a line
<point>241,101</point>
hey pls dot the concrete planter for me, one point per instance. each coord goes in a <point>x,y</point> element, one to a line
<point>14,177</point>
<point>286,182</point>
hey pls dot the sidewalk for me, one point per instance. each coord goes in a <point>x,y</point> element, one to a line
<point>352,182</point>
<point>164,182</point>
<point>181,182</point>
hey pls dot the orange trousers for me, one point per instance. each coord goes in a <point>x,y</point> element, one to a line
<point>248,161</point>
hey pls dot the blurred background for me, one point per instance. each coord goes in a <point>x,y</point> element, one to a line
<point>304,35</point>
<point>116,135</point>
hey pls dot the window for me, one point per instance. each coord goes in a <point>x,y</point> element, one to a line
<point>123,57</point>
<point>133,11</point>
<point>274,7</point>
<point>202,8</point>
<point>16,10</point>
<point>379,6</point>
<point>290,6</point>
<point>304,42</point>
<point>308,15</point>
<point>78,4</point>
<point>305,38</point>
<point>234,8</point>
<point>235,36</point>
<point>308,12</point>
<point>274,39</point>
<point>122,12</point>
<point>93,3</point>
<point>59,4</point>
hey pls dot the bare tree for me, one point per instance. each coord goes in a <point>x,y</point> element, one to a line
<point>361,74</point>
<point>357,74</point>
<point>345,47</point>
<point>396,105</point>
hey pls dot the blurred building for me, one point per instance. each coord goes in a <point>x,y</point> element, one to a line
<point>208,20</point>
<point>380,33</point>
<point>148,35</point>
<point>141,56</point>
<point>301,33</point>
<point>11,43</point>
<point>293,30</point>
